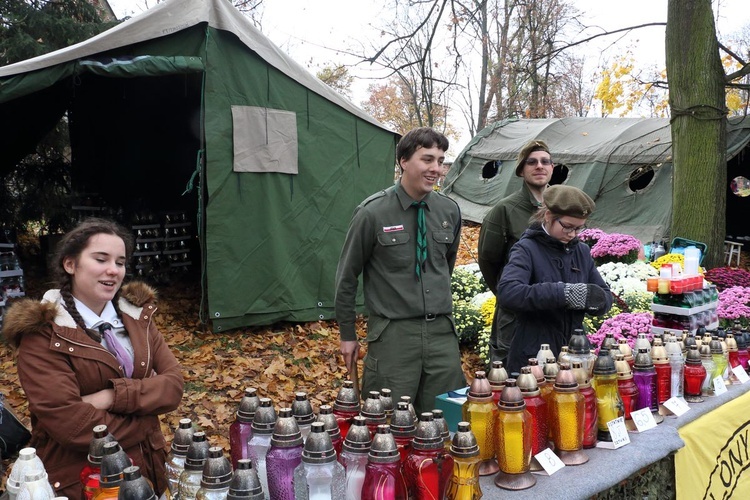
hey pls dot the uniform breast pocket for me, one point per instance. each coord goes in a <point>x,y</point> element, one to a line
<point>441,242</point>
<point>396,250</point>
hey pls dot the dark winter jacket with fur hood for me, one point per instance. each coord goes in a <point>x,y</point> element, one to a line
<point>58,363</point>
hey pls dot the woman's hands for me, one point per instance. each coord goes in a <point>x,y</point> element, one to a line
<point>584,296</point>
<point>102,400</point>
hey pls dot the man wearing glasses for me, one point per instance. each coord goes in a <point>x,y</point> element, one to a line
<point>503,226</point>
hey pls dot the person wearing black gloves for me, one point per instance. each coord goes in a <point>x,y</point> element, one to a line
<point>550,280</point>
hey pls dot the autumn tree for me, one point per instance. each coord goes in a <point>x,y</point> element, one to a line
<point>736,53</point>
<point>392,103</point>
<point>697,101</point>
<point>623,89</point>
<point>512,41</point>
<point>409,52</point>
<point>337,77</point>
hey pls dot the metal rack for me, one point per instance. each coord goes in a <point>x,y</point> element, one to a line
<point>12,282</point>
<point>162,244</point>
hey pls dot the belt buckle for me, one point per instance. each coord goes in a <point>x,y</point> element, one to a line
<point>430,317</point>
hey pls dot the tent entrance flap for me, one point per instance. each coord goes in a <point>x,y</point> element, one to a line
<point>135,140</point>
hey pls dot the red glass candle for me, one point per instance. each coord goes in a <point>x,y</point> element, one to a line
<point>537,408</point>
<point>428,468</point>
<point>744,346</point>
<point>403,429</point>
<point>497,377</point>
<point>373,411</point>
<point>383,477</point>
<point>734,355</point>
<point>663,371</point>
<point>625,386</point>
<point>90,473</point>
<point>346,407</point>
<point>694,375</point>
<point>330,424</point>
<point>589,405</point>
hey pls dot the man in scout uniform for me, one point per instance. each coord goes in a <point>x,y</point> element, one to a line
<point>404,240</point>
<point>503,226</point>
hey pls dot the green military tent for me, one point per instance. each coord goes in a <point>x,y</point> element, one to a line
<point>190,94</point>
<point>625,164</point>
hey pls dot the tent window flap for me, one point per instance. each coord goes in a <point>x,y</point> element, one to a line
<point>265,140</point>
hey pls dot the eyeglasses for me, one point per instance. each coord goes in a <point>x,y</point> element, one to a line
<point>570,229</point>
<point>533,161</point>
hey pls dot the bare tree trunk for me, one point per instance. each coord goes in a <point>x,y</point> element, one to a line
<point>697,99</point>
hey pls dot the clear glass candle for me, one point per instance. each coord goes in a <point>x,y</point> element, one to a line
<point>707,360</point>
<point>319,476</point>
<point>354,456</point>
<point>263,424</point>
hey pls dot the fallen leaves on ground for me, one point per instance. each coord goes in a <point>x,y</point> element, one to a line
<point>278,360</point>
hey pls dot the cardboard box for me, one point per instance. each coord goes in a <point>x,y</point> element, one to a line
<point>451,404</point>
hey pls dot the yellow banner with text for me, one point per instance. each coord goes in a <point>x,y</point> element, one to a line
<point>716,453</point>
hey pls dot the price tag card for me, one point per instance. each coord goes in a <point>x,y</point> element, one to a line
<point>678,406</point>
<point>719,386</point>
<point>549,461</point>
<point>619,432</point>
<point>741,374</point>
<point>643,419</point>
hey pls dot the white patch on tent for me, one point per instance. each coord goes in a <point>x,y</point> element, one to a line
<point>265,140</point>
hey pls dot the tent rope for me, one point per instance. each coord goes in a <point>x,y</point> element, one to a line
<point>700,112</point>
<point>200,164</point>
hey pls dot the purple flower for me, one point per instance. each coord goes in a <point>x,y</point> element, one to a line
<point>733,305</point>
<point>615,245</point>
<point>624,325</point>
<point>591,236</point>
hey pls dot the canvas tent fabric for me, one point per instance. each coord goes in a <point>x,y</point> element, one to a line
<point>149,104</point>
<point>601,155</point>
